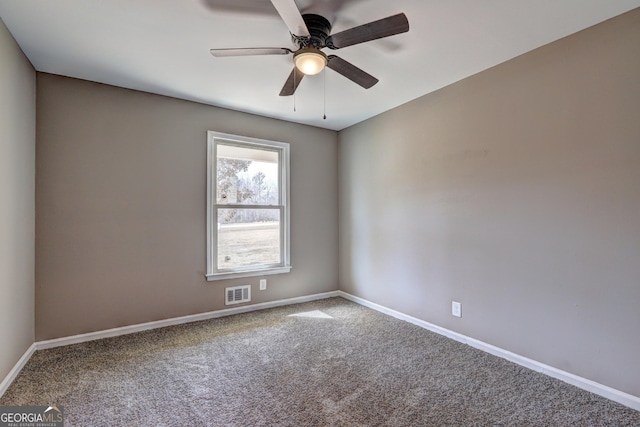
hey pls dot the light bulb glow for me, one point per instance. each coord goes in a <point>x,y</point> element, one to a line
<point>310,62</point>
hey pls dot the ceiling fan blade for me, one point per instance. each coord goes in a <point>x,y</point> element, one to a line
<point>248,51</point>
<point>351,72</point>
<point>385,27</point>
<point>290,14</point>
<point>292,82</point>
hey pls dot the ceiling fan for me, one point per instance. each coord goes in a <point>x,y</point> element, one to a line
<point>311,33</point>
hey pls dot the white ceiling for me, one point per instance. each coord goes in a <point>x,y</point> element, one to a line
<point>162,46</point>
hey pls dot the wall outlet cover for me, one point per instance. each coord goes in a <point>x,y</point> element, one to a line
<point>456,308</point>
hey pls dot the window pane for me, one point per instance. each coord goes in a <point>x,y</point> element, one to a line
<point>248,237</point>
<point>247,175</point>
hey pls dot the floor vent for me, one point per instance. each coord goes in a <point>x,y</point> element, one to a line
<point>238,294</point>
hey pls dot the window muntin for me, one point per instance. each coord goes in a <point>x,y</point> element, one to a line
<point>247,207</point>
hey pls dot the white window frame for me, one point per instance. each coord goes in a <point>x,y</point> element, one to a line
<point>212,222</point>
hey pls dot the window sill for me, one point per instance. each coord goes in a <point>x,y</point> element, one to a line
<point>252,273</point>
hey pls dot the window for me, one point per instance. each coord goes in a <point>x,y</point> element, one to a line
<point>247,206</point>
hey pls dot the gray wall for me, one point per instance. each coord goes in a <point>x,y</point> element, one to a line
<point>516,192</point>
<point>17,201</point>
<point>121,178</point>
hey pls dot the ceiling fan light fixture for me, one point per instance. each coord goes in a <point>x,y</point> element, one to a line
<point>310,61</point>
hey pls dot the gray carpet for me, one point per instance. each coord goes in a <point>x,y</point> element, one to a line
<point>340,364</point>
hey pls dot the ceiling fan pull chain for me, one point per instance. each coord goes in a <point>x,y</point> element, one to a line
<point>324,77</point>
<point>294,90</point>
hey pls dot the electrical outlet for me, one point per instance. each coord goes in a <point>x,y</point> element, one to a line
<point>263,284</point>
<point>456,308</point>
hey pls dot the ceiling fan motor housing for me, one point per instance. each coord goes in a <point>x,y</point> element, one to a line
<point>319,29</point>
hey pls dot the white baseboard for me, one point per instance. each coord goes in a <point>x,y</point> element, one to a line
<point>107,333</point>
<point>600,389</point>
<point>13,373</point>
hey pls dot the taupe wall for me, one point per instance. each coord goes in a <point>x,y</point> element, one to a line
<point>516,192</point>
<point>17,201</point>
<point>121,178</point>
